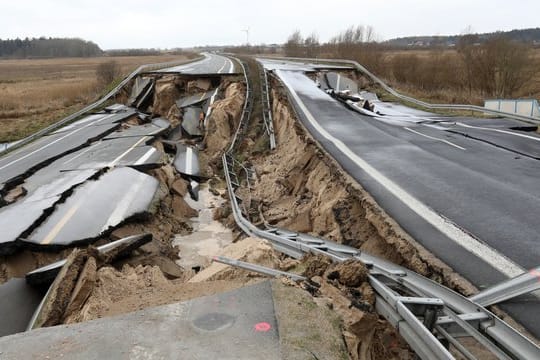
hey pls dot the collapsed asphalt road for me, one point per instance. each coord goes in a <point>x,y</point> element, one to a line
<point>470,199</point>
<point>148,182</point>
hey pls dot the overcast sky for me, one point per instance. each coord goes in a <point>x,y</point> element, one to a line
<point>116,24</point>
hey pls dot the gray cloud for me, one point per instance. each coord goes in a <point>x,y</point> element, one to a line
<point>167,24</point>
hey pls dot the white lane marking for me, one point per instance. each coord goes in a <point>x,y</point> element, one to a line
<point>223,67</point>
<point>51,143</point>
<point>231,70</point>
<point>187,67</point>
<point>189,162</point>
<point>115,161</point>
<point>67,216</point>
<point>471,244</point>
<point>434,138</point>
<point>123,205</point>
<point>227,62</point>
<point>146,156</point>
<point>499,130</point>
<point>209,112</point>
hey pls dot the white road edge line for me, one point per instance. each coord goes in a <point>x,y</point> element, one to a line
<point>434,138</point>
<point>471,244</point>
<point>115,161</point>
<point>209,112</point>
<point>499,130</point>
<point>146,156</point>
<point>189,162</point>
<point>53,142</point>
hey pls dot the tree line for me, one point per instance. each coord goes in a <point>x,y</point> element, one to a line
<point>48,48</point>
<point>496,67</point>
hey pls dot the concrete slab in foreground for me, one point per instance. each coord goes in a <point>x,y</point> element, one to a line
<point>239,324</point>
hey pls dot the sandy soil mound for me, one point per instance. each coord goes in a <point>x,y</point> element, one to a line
<point>252,250</point>
<point>167,90</point>
<point>112,286</point>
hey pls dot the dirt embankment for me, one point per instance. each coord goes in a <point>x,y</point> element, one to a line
<point>222,125</point>
<point>303,189</point>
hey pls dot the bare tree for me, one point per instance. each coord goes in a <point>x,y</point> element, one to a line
<point>107,72</point>
<point>295,44</point>
<point>312,45</point>
<point>499,67</point>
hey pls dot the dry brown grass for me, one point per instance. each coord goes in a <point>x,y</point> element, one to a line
<point>447,74</point>
<point>37,93</point>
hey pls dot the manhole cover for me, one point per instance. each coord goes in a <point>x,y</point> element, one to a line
<point>213,321</point>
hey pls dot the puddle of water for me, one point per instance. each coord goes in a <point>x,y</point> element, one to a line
<point>209,236</point>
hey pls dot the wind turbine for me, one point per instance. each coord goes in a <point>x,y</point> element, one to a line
<point>247,35</point>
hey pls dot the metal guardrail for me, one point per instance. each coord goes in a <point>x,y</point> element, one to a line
<point>428,315</point>
<point>267,113</point>
<point>520,285</point>
<point>361,68</point>
<point>103,100</point>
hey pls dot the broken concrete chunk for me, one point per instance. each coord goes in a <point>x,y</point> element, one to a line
<point>16,218</point>
<point>195,99</point>
<point>187,160</point>
<point>83,288</point>
<point>140,86</point>
<point>341,83</point>
<point>51,309</point>
<point>162,123</point>
<point>111,251</point>
<point>194,187</point>
<point>191,122</point>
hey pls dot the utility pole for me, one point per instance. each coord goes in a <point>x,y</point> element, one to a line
<point>247,35</point>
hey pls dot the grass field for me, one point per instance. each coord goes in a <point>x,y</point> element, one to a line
<point>36,93</point>
<point>445,72</point>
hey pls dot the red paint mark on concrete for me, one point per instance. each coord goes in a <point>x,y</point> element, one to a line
<point>535,273</point>
<point>262,327</point>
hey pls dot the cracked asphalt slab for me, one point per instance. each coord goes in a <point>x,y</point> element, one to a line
<point>66,159</point>
<point>95,207</point>
<point>482,200</point>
